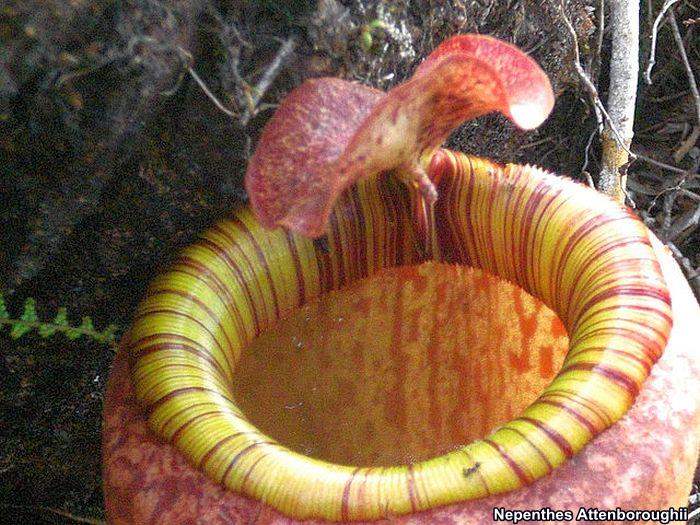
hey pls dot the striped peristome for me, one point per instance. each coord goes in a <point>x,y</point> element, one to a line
<point>587,258</point>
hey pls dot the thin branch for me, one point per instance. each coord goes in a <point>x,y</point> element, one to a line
<point>669,201</point>
<point>598,106</point>
<point>691,273</point>
<point>59,512</point>
<point>658,163</point>
<point>683,225</point>
<point>268,77</point>
<point>654,31</point>
<point>587,83</point>
<point>252,95</point>
<point>594,62</point>
<point>537,143</point>
<point>687,144</point>
<point>600,111</point>
<point>209,94</point>
<point>601,30</point>
<point>666,98</point>
<point>586,158</point>
<point>690,141</point>
<point>695,497</point>
<point>650,11</point>
<point>678,186</point>
<point>689,194</point>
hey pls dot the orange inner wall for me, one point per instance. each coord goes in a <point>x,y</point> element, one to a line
<point>402,366</point>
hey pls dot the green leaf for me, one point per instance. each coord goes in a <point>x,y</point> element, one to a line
<point>72,333</point>
<point>29,314</point>
<point>87,325</point>
<point>47,330</point>
<point>61,317</point>
<point>109,333</point>
<point>3,309</point>
<point>366,40</point>
<point>19,329</point>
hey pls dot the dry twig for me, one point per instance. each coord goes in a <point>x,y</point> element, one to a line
<point>595,59</point>
<point>691,273</point>
<point>654,32</point>
<point>598,107</point>
<point>252,95</point>
<point>586,151</point>
<point>602,115</point>
<point>268,77</point>
<point>72,517</point>
<point>209,94</point>
<point>690,141</point>
<point>683,225</point>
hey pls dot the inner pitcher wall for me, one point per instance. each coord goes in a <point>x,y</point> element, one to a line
<point>402,366</point>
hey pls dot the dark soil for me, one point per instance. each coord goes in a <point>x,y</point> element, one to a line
<point>112,159</point>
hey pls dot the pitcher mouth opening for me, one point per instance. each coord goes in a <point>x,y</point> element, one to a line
<point>586,258</point>
<point>408,364</point>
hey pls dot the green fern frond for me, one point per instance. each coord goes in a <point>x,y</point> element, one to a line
<point>29,321</point>
<point>3,308</point>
